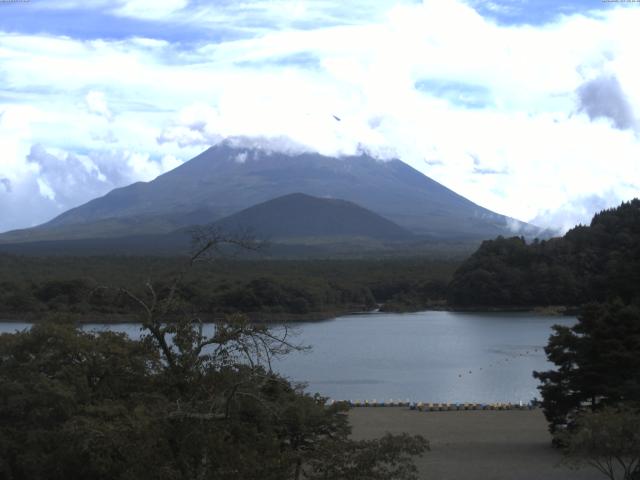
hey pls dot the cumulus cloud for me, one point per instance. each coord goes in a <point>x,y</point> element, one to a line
<point>493,119</point>
<point>603,97</point>
<point>66,178</point>
<point>60,180</point>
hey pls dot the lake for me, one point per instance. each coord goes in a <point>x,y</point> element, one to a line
<point>426,356</point>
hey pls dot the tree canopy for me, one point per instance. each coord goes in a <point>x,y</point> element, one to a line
<point>597,360</point>
<point>590,263</point>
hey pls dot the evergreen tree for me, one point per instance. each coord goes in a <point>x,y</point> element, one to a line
<point>597,360</point>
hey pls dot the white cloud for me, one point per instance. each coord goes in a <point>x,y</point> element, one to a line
<point>97,103</point>
<point>521,129</point>
<point>150,9</point>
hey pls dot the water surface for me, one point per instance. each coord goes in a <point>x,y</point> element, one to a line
<point>426,356</point>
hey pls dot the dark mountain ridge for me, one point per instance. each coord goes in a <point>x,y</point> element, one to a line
<point>298,215</point>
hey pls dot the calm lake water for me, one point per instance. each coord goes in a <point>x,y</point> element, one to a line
<point>425,356</point>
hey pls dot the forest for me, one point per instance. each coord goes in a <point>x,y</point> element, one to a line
<point>88,288</point>
<point>597,262</point>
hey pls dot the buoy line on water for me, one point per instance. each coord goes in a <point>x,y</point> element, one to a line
<point>437,407</point>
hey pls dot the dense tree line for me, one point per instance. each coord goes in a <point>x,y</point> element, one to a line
<point>50,286</point>
<point>590,263</point>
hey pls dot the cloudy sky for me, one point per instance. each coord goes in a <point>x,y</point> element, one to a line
<point>528,107</point>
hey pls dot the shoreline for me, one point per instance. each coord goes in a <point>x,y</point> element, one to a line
<point>274,318</point>
<point>256,317</point>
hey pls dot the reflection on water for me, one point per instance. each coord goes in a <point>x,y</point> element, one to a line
<point>426,356</point>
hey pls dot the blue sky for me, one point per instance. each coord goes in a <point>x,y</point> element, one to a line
<point>529,108</point>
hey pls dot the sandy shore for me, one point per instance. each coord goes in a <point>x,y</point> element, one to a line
<point>474,445</point>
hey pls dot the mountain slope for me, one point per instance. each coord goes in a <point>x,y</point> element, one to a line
<point>298,215</point>
<point>225,179</point>
<point>295,225</point>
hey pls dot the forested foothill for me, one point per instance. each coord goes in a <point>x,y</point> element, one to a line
<point>590,263</point>
<point>33,288</point>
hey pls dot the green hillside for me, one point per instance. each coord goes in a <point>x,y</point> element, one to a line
<point>590,263</point>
